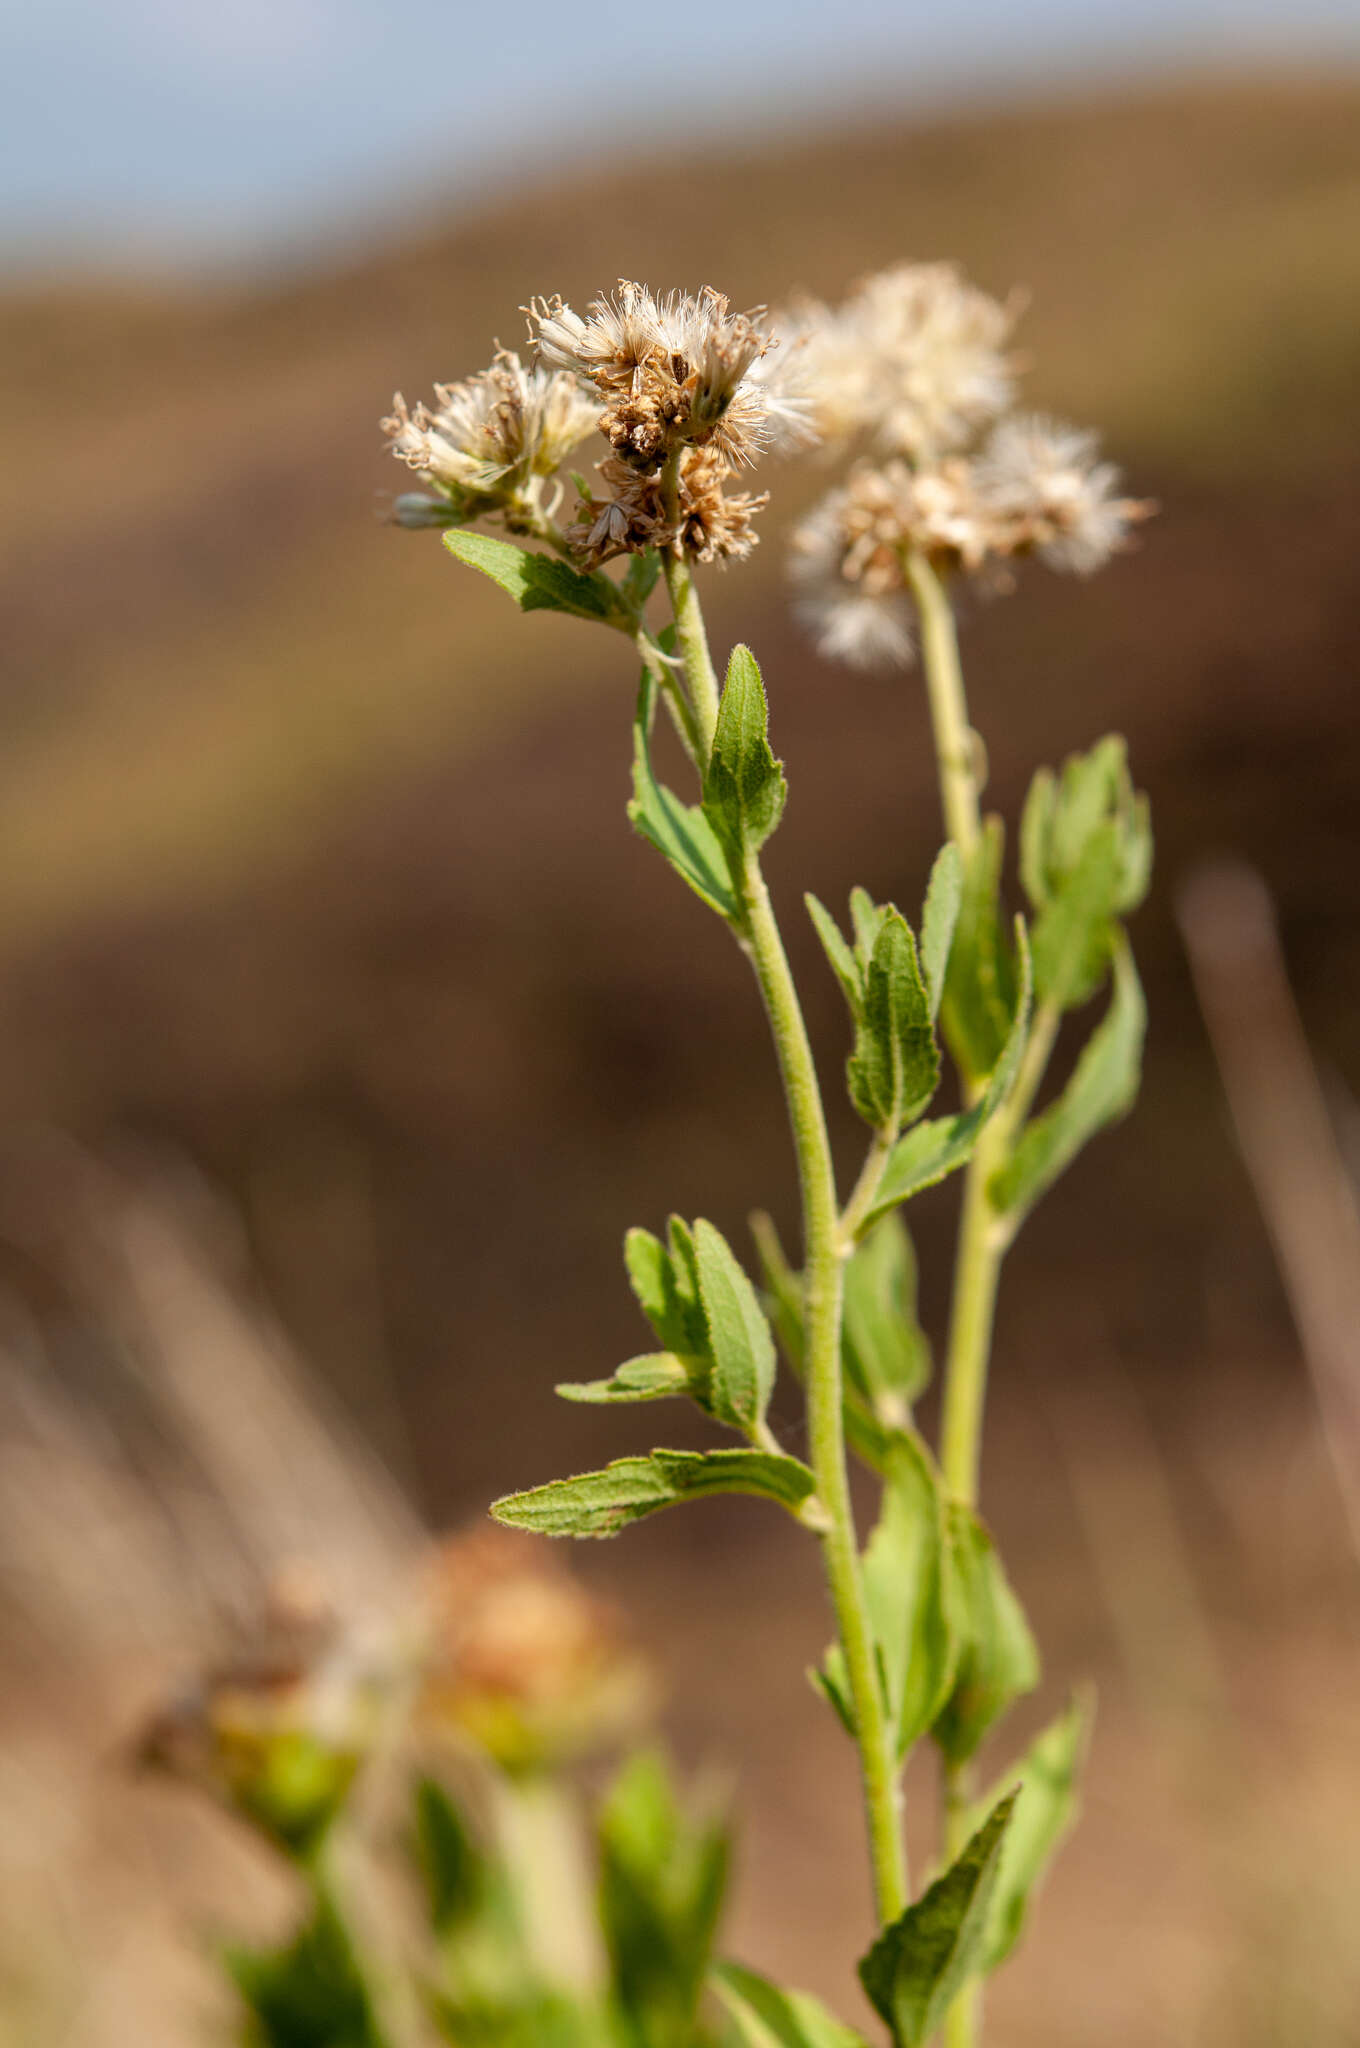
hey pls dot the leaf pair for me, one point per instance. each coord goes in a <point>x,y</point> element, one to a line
<point>719,1348</point>
<point>893,990</point>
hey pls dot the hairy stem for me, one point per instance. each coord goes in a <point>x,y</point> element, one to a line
<point>690,634</point>
<point>760,938</point>
<point>826,1434</point>
<point>955,747</point>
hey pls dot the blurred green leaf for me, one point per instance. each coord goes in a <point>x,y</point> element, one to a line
<point>997,1659</point>
<point>918,1966</point>
<point>979,989</point>
<point>450,1861</point>
<point>668,1294</point>
<point>662,1882</point>
<point>911,1590</point>
<point>767,2017</point>
<point>940,916</point>
<point>744,788</point>
<point>895,1066</point>
<point>309,1993</point>
<point>1063,814</point>
<point>1075,931</point>
<point>740,1342</point>
<point>601,1503</point>
<point>1102,1088</point>
<point>783,1291</point>
<point>678,830</point>
<point>537,582</point>
<point>1047,1777</point>
<point>640,577</point>
<point>887,1353</point>
<point>656,1376</point>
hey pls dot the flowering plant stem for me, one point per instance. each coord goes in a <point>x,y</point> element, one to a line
<point>760,939</point>
<point>984,1232</point>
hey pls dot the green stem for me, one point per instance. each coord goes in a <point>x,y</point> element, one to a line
<point>822,1279</point>
<point>822,1274</point>
<point>690,634</point>
<point>955,745</point>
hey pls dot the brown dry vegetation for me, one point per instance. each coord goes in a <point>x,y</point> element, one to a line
<point>315,864</point>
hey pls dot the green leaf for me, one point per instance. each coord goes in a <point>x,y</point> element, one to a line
<point>997,1658</point>
<point>740,1342</point>
<point>601,1503</point>
<point>662,1883</point>
<point>1095,792</point>
<point>767,2017</point>
<point>937,1148</point>
<point>979,989</point>
<point>887,1353</point>
<point>844,965</point>
<point>866,918</point>
<point>311,1992</point>
<point>944,897</point>
<point>895,1066</point>
<point>918,1966</point>
<point>911,1591</point>
<point>654,1377</point>
<point>1047,1810</point>
<point>665,1282</point>
<point>537,582</point>
<point>450,1861</point>
<point>744,788</point>
<point>1102,1088</point>
<point>678,830</point>
<point>1074,932</point>
<point>640,577</point>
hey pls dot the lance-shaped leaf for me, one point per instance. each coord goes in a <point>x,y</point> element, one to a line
<point>1101,1089</point>
<point>844,963</point>
<point>927,1154</point>
<point>665,1280</point>
<point>767,2017</point>
<point>887,1353</point>
<point>998,1660</point>
<point>1075,931</point>
<point>979,988</point>
<point>783,1291</point>
<point>678,830</point>
<point>740,1343</point>
<point>537,582</point>
<point>744,788</point>
<point>601,1503</point>
<point>917,1967</point>
<point>939,917</point>
<point>1047,1810</point>
<point>895,1066</point>
<point>657,1376</point>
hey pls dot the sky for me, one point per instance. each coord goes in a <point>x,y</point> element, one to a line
<point>241,132</point>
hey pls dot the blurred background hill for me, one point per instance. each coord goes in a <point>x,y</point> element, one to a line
<point>314,870</point>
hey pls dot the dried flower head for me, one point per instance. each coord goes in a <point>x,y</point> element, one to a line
<point>1044,481</point>
<point>523,1661</point>
<point>912,364</point>
<point>704,520</point>
<point>682,371</point>
<point>489,436</point>
<point>850,553</point>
